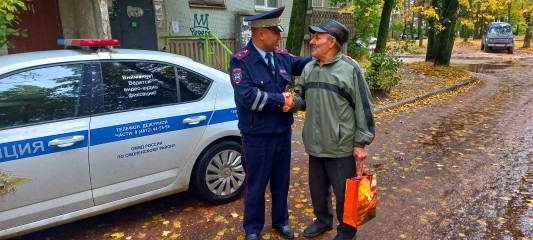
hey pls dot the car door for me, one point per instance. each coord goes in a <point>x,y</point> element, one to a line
<point>44,123</point>
<point>149,116</point>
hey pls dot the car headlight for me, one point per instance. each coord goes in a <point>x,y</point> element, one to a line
<point>491,40</point>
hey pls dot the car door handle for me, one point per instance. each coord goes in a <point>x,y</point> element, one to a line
<point>66,141</point>
<point>194,120</point>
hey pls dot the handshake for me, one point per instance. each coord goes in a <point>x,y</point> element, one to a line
<point>289,102</point>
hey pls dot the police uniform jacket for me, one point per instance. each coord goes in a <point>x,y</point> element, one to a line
<point>258,91</point>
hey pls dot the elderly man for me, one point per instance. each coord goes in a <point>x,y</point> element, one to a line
<point>260,73</point>
<point>338,124</point>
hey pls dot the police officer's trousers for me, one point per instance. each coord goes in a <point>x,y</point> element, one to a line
<point>323,174</point>
<point>266,157</point>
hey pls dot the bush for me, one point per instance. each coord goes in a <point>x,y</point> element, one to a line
<point>381,74</point>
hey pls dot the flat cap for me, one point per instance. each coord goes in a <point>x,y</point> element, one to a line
<point>334,28</point>
<point>270,19</point>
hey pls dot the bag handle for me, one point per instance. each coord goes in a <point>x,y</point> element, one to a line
<point>361,167</point>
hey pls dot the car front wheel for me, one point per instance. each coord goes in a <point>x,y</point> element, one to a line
<point>219,175</point>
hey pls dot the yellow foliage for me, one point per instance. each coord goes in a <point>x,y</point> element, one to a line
<point>468,23</point>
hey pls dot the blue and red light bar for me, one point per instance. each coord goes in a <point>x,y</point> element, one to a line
<point>88,42</point>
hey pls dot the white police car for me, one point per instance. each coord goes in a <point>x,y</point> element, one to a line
<point>85,132</point>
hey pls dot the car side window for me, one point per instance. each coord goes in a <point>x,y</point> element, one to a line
<point>131,85</point>
<point>192,86</point>
<point>40,95</point>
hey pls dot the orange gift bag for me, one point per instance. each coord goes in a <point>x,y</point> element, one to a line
<point>360,199</point>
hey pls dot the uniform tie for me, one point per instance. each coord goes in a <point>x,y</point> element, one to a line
<point>270,65</point>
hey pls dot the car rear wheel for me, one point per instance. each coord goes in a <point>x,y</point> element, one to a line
<point>219,176</point>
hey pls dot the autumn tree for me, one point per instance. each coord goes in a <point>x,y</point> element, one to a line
<point>366,15</point>
<point>296,35</point>
<point>527,16</point>
<point>384,23</point>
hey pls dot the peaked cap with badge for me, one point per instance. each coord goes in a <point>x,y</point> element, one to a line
<point>270,20</point>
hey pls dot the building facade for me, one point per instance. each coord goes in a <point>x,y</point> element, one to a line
<point>175,25</point>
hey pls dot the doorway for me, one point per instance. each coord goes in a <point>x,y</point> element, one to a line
<point>133,23</point>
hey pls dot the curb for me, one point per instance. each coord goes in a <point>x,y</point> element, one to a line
<point>425,95</point>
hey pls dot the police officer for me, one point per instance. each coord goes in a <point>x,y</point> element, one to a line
<point>260,74</point>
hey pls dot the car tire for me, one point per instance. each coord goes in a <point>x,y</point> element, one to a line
<point>219,175</point>
<point>482,46</point>
<point>487,49</point>
<point>511,50</point>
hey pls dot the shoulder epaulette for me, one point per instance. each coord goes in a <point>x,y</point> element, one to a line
<point>241,54</point>
<point>282,51</point>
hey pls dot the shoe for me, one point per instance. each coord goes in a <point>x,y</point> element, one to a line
<point>285,231</point>
<point>251,236</point>
<point>340,237</point>
<point>314,230</point>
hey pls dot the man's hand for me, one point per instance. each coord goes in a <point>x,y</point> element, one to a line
<point>360,154</point>
<point>289,102</point>
<point>346,56</point>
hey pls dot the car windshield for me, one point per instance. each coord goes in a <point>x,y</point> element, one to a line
<point>501,29</point>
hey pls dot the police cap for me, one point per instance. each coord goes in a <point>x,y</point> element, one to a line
<point>334,28</point>
<point>270,20</point>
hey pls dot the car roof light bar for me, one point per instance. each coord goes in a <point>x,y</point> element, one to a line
<point>88,42</point>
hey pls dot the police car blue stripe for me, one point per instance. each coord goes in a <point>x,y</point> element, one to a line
<point>224,115</point>
<point>145,128</point>
<point>33,147</point>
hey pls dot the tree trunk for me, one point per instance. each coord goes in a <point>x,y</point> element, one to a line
<point>476,31</point>
<point>464,32</point>
<point>509,12</point>
<point>296,36</point>
<point>527,39</point>
<point>412,29</point>
<point>431,48</point>
<point>384,22</point>
<point>447,36</point>
<point>420,32</point>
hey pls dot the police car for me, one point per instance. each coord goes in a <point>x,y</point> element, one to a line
<point>90,130</point>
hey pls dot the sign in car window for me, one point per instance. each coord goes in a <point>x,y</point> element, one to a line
<point>40,95</point>
<point>130,85</point>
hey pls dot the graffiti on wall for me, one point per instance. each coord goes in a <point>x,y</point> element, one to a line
<point>201,25</point>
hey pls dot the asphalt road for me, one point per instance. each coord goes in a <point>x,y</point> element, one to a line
<point>457,166</point>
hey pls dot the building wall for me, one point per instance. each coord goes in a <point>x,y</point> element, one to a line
<point>84,19</point>
<point>221,21</point>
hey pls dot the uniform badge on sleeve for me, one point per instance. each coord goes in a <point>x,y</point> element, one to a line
<point>237,75</point>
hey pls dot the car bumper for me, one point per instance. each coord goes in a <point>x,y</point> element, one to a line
<point>500,45</point>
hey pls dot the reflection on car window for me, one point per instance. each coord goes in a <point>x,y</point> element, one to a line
<point>40,95</point>
<point>192,85</point>
<point>501,30</point>
<point>130,85</point>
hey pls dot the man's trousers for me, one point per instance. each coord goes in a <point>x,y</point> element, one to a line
<point>325,173</point>
<point>266,158</point>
